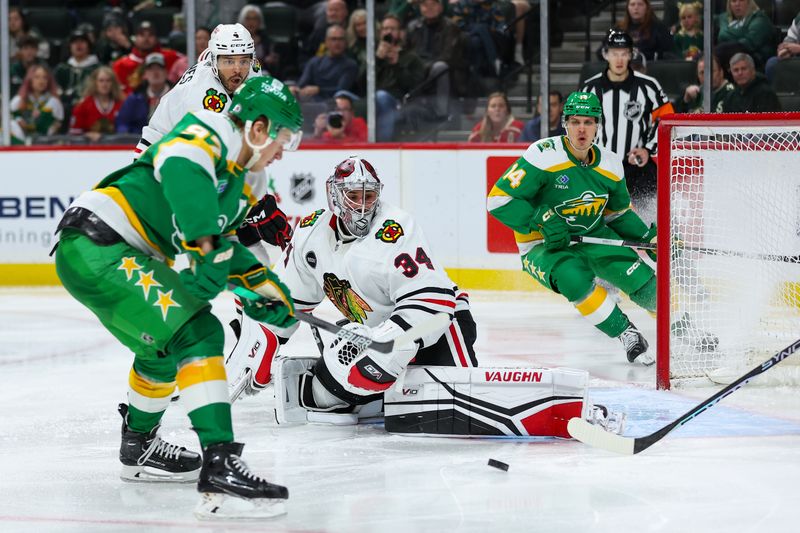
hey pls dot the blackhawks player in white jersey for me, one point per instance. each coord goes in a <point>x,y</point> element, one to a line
<point>372,261</point>
<point>210,84</point>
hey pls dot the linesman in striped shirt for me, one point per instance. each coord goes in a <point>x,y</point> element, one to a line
<point>632,105</point>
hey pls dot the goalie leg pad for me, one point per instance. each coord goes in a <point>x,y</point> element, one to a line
<point>492,401</point>
<point>249,364</point>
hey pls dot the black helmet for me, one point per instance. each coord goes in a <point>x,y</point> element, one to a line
<point>618,39</point>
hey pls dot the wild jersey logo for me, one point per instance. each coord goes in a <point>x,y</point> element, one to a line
<point>584,211</point>
<point>302,187</point>
<point>339,291</point>
<point>311,219</point>
<point>390,232</point>
<point>214,101</point>
<point>546,144</point>
<point>633,110</point>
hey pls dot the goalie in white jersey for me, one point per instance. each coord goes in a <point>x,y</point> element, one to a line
<point>372,261</point>
<point>228,61</point>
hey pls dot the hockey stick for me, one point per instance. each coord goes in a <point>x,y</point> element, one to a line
<point>679,244</point>
<point>438,321</point>
<point>595,435</point>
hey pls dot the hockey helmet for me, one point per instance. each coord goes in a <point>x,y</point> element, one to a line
<point>269,97</point>
<point>354,191</point>
<point>583,105</point>
<point>617,39</point>
<point>229,40</point>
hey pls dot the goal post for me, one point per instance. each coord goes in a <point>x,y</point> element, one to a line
<point>728,184</point>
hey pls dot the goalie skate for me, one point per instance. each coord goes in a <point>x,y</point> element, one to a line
<point>145,457</point>
<point>229,490</point>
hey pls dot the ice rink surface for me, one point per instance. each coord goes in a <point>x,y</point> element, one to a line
<point>734,469</point>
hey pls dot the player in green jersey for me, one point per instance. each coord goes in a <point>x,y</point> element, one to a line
<point>186,194</point>
<point>567,185</point>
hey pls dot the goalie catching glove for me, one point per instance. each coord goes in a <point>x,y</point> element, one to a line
<point>207,275</point>
<point>554,229</point>
<point>280,310</point>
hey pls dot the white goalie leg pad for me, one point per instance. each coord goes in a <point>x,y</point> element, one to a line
<point>250,362</point>
<point>492,401</point>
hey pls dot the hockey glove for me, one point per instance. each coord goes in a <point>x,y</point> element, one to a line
<point>650,236</point>
<point>279,309</point>
<point>266,222</point>
<point>553,228</point>
<point>207,275</point>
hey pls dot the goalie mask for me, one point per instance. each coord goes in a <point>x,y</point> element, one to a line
<point>354,194</point>
<point>229,40</point>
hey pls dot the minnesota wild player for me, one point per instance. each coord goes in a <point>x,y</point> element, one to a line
<point>186,194</point>
<point>567,185</point>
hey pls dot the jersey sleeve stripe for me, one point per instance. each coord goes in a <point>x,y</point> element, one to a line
<point>436,290</point>
<point>405,326</point>
<point>607,173</point>
<point>421,308</point>
<point>196,152</point>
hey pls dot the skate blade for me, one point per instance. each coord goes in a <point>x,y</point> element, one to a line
<point>214,506</point>
<point>645,359</point>
<point>147,474</point>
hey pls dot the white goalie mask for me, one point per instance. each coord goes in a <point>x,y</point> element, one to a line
<point>228,40</point>
<point>354,192</point>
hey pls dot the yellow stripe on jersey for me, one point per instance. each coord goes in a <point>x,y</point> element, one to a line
<point>200,370</point>
<point>597,306</point>
<point>610,175</point>
<point>119,199</point>
<point>528,237</point>
<point>561,166</point>
<point>248,191</point>
<point>148,388</point>
<point>203,382</point>
<point>195,150</point>
<point>497,191</point>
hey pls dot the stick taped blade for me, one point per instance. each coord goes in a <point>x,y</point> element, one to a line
<point>597,437</point>
<point>435,323</point>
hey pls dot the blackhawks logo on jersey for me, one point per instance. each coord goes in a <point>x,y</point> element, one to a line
<point>311,219</point>
<point>390,232</point>
<point>584,211</point>
<point>346,300</point>
<point>215,101</point>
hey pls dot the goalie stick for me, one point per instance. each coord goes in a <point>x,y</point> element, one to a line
<point>362,342</point>
<point>595,436</point>
<point>679,244</point>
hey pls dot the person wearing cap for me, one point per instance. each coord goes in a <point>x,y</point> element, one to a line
<point>127,68</point>
<point>632,104</point>
<point>72,73</point>
<point>142,103</point>
<point>114,41</point>
<point>565,187</point>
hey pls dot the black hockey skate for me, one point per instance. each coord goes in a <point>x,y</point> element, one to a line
<point>145,457</point>
<point>230,490</point>
<point>636,346</point>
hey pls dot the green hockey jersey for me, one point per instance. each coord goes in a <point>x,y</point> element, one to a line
<point>185,186</point>
<point>586,196</point>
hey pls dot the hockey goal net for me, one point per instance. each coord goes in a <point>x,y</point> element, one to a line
<point>728,247</point>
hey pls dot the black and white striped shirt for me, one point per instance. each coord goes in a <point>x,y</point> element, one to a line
<point>631,109</point>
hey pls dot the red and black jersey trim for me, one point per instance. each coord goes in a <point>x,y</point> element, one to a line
<point>436,290</point>
<point>418,308</point>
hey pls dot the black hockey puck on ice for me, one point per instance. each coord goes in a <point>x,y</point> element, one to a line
<point>498,464</point>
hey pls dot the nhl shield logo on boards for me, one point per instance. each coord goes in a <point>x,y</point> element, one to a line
<point>633,110</point>
<point>302,187</point>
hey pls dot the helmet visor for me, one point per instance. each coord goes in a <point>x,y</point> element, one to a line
<point>289,140</point>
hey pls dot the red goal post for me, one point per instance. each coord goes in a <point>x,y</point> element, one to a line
<point>729,183</point>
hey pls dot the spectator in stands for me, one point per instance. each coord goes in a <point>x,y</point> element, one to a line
<point>483,23</point>
<point>498,124</point>
<point>36,108</point>
<point>127,68</point>
<point>341,125</point>
<point>323,76</point>
<point>745,28</point>
<point>210,13</point>
<point>17,29</point>
<point>251,18</point>
<point>397,72</point>
<point>438,41</point>
<point>71,75</point>
<point>790,47</point>
<point>96,113</point>
<point>650,35</point>
<point>532,131</point>
<point>689,38</point>
<point>139,106</point>
<point>201,37</point>
<point>752,93</point>
<point>692,101</point>
<point>27,48</point>
<point>356,35</point>
<point>406,10</point>
<point>314,43</point>
<point>114,41</point>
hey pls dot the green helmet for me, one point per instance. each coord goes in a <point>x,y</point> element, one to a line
<point>269,97</point>
<point>583,105</point>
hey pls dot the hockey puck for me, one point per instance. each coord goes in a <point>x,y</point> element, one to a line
<point>500,465</point>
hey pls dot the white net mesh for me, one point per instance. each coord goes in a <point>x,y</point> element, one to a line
<point>734,190</point>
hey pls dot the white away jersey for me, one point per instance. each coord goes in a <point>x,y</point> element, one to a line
<point>197,89</point>
<point>389,274</point>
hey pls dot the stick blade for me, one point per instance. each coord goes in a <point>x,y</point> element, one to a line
<point>597,437</point>
<point>436,322</point>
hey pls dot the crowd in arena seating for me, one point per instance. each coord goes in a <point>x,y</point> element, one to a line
<point>107,74</point>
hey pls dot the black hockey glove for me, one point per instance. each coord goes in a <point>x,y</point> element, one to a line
<point>553,228</point>
<point>266,222</point>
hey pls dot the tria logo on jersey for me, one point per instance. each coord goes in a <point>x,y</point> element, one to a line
<point>346,300</point>
<point>584,211</point>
